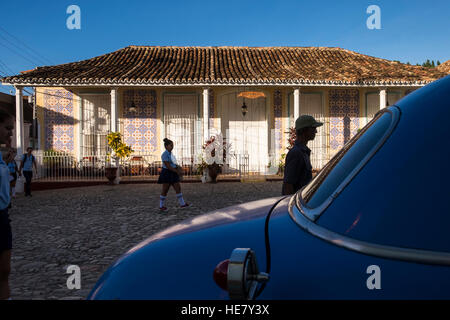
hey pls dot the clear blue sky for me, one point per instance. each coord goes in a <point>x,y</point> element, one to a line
<point>411,31</point>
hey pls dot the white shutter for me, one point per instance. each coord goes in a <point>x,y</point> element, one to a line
<point>96,123</point>
<point>181,125</point>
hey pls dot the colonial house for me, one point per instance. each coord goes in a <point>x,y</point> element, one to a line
<point>252,95</point>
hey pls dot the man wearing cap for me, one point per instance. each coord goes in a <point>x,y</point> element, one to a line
<point>298,169</point>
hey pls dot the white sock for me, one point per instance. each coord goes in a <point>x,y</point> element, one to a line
<point>161,201</point>
<point>180,199</point>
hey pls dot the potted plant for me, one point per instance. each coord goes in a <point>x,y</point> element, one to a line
<point>213,168</point>
<point>281,164</point>
<point>118,151</point>
<point>291,141</point>
<point>202,168</point>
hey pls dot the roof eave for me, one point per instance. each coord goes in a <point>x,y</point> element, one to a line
<point>219,82</point>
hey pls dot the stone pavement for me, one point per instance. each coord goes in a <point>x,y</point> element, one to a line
<point>92,226</point>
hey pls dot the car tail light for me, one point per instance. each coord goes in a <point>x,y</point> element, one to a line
<point>220,274</point>
<point>239,275</point>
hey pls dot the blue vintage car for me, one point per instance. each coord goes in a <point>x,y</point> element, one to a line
<point>374,223</point>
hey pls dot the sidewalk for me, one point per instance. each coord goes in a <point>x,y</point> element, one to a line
<point>92,226</point>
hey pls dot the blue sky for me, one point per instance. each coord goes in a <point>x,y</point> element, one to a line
<point>34,33</point>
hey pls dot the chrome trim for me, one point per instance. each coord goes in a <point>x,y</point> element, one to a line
<point>314,213</point>
<point>243,275</point>
<point>381,251</point>
<point>235,275</point>
<point>311,213</point>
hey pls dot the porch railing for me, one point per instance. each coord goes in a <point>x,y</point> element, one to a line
<point>60,166</point>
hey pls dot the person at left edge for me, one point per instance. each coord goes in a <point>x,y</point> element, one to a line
<point>6,128</point>
<point>13,171</point>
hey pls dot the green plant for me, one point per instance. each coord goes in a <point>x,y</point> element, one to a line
<point>291,141</point>
<point>281,163</point>
<point>53,158</point>
<point>202,165</point>
<point>119,150</point>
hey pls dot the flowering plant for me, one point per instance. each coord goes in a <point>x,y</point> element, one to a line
<point>208,158</point>
<point>202,165</point>
<point>119,149</point>
<point>209,148</point>
<point>292,138</point>
<point>291,141</point>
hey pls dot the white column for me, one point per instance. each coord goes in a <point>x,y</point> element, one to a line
<point>296,104</point>
<point>114,126</point>
<point>382,98</point>
<point>205,114</point>
<point>114,96</point>
<point>19,121</point>
<point>80,127</point>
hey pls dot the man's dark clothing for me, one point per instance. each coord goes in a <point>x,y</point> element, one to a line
<point>5,231</point>
<point>28,177</point>
<point>297,168</point>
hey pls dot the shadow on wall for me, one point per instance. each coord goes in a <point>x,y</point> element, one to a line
<point>58,120</point>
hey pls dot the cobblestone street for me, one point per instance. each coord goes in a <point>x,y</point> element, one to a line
<point>92,226</point>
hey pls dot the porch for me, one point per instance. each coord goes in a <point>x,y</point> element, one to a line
<point>140,167</point>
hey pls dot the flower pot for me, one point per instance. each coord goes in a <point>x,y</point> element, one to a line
<point>205,176</point>
<point>111,174</point>
<point>213,171</point>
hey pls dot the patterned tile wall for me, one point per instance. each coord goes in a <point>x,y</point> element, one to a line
<point>344,116</point>
<point>278,117</point>
<point>140,123</point>
<point>59,120</point>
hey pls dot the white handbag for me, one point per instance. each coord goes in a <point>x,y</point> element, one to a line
<point>20,184</point>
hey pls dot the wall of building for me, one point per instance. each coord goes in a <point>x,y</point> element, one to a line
<point>56,111</point>
<point>59,114</point>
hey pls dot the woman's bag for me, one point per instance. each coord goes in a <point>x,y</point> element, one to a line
<point>180,172</point>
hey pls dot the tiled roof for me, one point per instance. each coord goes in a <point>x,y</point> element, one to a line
<point>444,67</point>
<point>228,65</point>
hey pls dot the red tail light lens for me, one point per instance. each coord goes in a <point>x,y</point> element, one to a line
<point>220,274</point>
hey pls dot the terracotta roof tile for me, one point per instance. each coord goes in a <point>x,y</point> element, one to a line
<point>444,67</point>
<point>217,65</point>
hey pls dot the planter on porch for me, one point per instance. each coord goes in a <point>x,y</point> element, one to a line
<point>213,171</point>
<point>120,151</point>
<point>111,174</point>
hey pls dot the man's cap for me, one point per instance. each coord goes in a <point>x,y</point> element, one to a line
<point>306,121</point>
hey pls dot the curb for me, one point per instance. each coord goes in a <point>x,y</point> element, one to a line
<point>49,185</point>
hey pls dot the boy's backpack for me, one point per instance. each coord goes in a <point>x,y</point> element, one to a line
<point>25,158</point>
